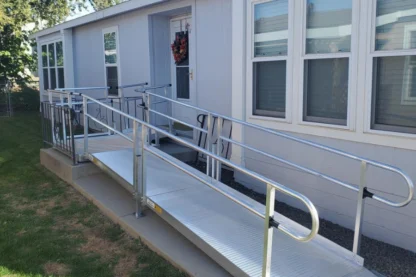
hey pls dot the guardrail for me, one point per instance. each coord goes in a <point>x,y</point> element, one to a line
<point>362,190</point>
<point>58,129</point>
<point>141,144</point>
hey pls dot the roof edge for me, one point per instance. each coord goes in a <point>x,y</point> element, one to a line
<point>98,15</point>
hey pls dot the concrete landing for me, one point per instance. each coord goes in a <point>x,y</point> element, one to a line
<point>118,204</point>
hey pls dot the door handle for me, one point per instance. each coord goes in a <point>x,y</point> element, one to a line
<point>191,74</point>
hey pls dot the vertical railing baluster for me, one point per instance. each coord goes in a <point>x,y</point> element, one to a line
<point>360,209</point>
<point>85,107</point>
<point>268,231</point>
<point>209,141</point>
<point>219,147</point>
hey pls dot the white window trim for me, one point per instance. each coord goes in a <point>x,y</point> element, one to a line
<point>117,64</point>
<point>371,54</point>
<point>352,71</point>
<point>48,67</point>
<point>251,60</point>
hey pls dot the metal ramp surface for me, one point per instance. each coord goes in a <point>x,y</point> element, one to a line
<point>226,231</point>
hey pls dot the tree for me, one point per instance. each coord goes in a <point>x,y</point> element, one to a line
<point>15,15</point>
<point>102,4</point>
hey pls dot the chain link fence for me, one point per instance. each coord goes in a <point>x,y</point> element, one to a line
<point>6,107</point>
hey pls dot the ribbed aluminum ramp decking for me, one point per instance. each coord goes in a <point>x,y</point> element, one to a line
<point>227,232</point>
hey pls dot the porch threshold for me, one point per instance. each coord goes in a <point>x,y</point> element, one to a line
<point>117,203</point>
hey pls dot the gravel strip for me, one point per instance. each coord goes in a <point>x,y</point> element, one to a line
<point>385,259</point>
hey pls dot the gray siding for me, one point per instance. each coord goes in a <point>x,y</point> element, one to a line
<point>213,50</point>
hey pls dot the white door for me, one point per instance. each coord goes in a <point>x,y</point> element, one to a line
<point>183,81</point>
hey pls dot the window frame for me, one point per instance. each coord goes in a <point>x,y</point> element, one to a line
<point>49,67</point>
<point>370,126</point>
<point>352,74</point>
<point>117,64</point>
<point>251,60</point>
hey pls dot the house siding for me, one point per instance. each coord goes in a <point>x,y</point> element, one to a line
<point>213,51</point>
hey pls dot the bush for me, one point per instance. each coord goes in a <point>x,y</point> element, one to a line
<point>25,99</point>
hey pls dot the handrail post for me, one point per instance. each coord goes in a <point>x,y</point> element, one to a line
<point>137,169</point>
<point>147,109</point>
<point>169,104</point>
<point>209,139</point>
<point>69,100</point>
<point>219,149</point>
<point>85,109</point>
<point>268,231</point>
<point>360,209</point>
<point>143,171</point>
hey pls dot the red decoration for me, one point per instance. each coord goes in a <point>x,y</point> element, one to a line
<point>180,47</point>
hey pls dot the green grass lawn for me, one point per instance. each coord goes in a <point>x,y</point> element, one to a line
<point>48,229</point>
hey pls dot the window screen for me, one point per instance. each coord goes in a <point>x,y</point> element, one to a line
<point>269,88</point>
<point>61,78</point>
<point>326,91</point>
<point>112,80</point>
<point>45,79</point>
<point>393,108</point>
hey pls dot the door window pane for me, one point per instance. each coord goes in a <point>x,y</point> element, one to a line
<point>61,78</point>
<point>270,88</point>
<point>110,48</point>
<point>271,28</point>
<point>44,55</point>
<point>51,50</point>
<point>52,74</point>
<point>396,20</point>
<point>393,107</point>
<point>326,91</point>
<point>59,54</point>
<point>45,79</point>
<point>112,80</point>
<point>328,26</point>
<point>182,82</point>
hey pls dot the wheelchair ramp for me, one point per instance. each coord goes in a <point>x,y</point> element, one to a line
<point>227,232</point>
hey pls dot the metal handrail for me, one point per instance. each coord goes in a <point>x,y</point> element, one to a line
<point>152,88</point>
<point>133,85</point>
<point>408,180</point>
<point>273,184</point>
<point>83,88</point>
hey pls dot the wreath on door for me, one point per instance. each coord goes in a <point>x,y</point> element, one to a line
<point>180,47</point>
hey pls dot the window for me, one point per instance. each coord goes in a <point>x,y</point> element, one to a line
<point>111,60</point>
<point>327,55</point>
<point>53,65</point>
<point>394,67</point>
<point>269,57</point>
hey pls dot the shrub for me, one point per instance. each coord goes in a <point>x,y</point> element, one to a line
<point>25,99</point>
